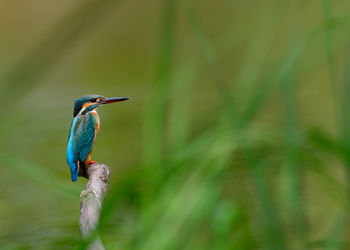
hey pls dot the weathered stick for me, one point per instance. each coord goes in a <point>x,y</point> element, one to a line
<point>91,199</point>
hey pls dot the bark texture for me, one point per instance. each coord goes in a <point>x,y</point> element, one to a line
<point>91,199</point>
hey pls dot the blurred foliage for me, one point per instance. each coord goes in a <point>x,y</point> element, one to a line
<point>237,136</point>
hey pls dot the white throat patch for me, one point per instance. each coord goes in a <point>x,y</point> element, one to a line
<point>81,111</point>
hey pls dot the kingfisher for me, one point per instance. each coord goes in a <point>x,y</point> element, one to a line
<point>84,129</point>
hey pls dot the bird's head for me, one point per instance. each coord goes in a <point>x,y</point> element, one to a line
<point>88,103</point>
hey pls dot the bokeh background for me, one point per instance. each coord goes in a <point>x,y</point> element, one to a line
<point>237,135</point>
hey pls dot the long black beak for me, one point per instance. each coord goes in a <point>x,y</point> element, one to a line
<point>115,99</point>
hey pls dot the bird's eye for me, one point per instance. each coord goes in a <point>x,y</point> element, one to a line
<point>93,100</point>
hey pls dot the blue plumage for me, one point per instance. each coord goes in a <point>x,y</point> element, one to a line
<point>84,136</point>
<point>84,129</point>
<point>71,155</point>
<point>80,142</point>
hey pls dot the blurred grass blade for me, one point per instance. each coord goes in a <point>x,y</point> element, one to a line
<point>179,113</point>
<point>155,114</point>
<point>252,65</point>
<point>291,182</point>
<point>272,224</point>
<point>329,29</point>
<point>345,117</point>
<point>271,83</point>
<point>208,52</point>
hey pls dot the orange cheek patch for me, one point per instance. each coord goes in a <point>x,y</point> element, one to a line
<point>86,105</point>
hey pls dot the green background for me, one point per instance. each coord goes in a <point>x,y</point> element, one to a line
<point>237,135</point>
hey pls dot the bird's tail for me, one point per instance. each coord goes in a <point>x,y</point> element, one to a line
<point>74,172</point>
<point>75,176</point>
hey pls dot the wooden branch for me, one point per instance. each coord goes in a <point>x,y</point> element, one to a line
<point>91,199</point>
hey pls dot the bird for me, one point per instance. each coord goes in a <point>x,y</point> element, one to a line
<point>84,129</point>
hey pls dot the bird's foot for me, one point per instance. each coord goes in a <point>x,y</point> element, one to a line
<point>91,162</point>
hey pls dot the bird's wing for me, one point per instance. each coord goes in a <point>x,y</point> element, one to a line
<point>84,136</point>
<point>71,155</point>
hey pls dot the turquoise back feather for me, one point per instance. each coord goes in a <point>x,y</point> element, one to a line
<point>81,139</point>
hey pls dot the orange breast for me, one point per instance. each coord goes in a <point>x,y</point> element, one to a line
<point>97,121</point>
